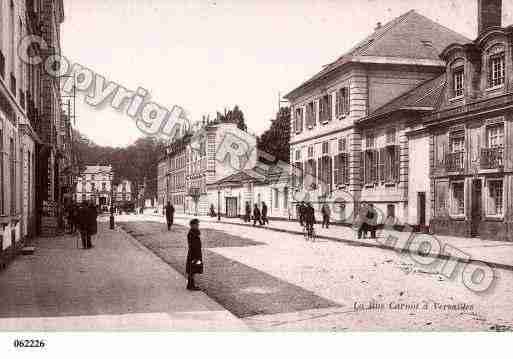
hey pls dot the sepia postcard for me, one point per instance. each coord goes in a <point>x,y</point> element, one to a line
<point>292,166</point>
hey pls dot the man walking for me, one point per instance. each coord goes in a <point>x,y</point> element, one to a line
<point>83,223</point>
<point>301,213</point>
<point>362,221</point>
<point>372,220</point>
<point>247,217</point>
<point>326,214</point>
<point>257,215</point>
<point>92,224</point>
<point>170,215</point>
<point>265,220</point>
<point>309,218</point>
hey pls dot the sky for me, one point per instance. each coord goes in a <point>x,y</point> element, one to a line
<point>209,55</point>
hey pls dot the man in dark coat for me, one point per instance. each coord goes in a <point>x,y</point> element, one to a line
<point>309,217</point>
<point>362,221</point>
<point>83,223</point>
<point>247,217</point>
<point>326,214</point>
<point>194,264</point>
<point>170,215</point>
<point>301,213</point>
<point>256,215</point>
<point>372,220</point>
<point>265,220</point>
<point>92,224</point>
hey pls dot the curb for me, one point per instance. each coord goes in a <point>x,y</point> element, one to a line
<point>352,242</point>
<point>494,265</point>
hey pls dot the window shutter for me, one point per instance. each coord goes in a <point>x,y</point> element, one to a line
<point>337,169</point>
<point>347,100</point>
<point>366,167</point>
<point>382,164</point>
<point>329,107</point>
<point>397,163</point>
<point>345,166</point>
<point>330,174</point>
<point>314,114</point>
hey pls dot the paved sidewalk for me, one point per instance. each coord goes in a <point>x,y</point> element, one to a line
<point>498,254</point>
<point>117,285</point>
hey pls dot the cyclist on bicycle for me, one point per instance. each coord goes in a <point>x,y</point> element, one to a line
<point>309,218</point>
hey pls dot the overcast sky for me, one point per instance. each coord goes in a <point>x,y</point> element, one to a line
<point>208,55</point>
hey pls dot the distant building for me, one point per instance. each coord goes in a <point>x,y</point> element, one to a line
<point>263,183</point>
<point>123,192</point>
<point>94,184</point>
<point>199,159</point>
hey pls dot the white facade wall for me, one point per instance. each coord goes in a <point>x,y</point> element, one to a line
<point>419,181</point>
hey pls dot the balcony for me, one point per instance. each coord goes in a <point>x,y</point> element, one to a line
<point>491,158</point>
<point>455,162</point>
<point>2,65</point>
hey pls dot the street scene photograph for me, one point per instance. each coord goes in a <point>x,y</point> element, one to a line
<point>255,166</point>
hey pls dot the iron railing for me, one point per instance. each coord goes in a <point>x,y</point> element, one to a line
<point>454,162</point>
<point>491,158</point>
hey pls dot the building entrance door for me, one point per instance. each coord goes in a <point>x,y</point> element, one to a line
<point>231,207</point>
<point>476,207</point>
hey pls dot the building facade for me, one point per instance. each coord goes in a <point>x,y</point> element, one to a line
<point>266,183</point>
<point>27,186</point>
<point>336,157</point>
<point>123,192</point>
<point>95,184</point>
<point>200,158</point>
<point>471,134</point>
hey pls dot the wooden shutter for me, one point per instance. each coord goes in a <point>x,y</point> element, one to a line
<point>345,166</point>
<point>337,168</point>
<point>329,108</point>
<point>397,162</point>
<point>382,163</point>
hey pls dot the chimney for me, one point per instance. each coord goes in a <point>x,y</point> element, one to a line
<point>489,14</point>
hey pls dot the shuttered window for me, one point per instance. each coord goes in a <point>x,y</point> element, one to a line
<point>341,169</point>
<point>371,166</point>
<point>342,102</point>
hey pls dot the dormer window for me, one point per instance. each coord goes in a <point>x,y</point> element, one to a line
<point>458,80</point>
<point>496,70</point>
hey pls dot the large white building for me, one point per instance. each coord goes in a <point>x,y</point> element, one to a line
<point>340,153</point>
<point>94,184</point>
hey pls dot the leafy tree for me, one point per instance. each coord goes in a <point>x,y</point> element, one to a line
<point>135,162</point>
<point>276,140</point>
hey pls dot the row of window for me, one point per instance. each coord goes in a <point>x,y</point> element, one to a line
<point>321,111</point>
<point>381,165</point>
<point>325,149</point>
<point>8,166</point>
<point>494,204</point>
<point>496,71</point>
<point>176,182</point>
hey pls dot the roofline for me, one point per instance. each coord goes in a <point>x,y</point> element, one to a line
<point>370,60</point>
<point>393,112</point>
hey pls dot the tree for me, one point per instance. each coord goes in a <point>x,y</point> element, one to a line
<point>134,162</point>
<point>276,140</point>
<point>232,116</point>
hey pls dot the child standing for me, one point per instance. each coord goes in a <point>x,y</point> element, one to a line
<point>194,264</point>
